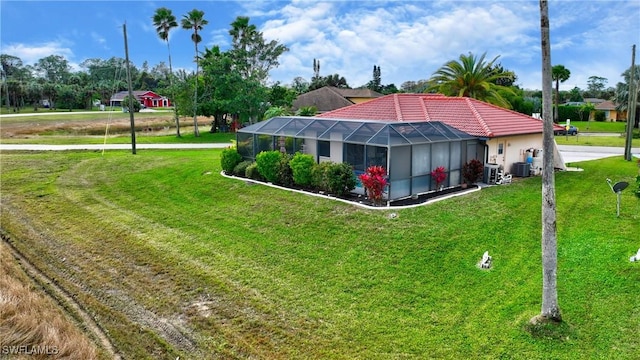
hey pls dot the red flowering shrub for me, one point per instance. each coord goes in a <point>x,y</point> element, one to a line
<point>374,181</point>
<point>438,175</point>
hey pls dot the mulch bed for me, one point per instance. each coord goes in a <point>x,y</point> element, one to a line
<point>420,199</point>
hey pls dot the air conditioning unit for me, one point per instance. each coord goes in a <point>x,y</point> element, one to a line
<point>490,175</point>
<point>521,169</point>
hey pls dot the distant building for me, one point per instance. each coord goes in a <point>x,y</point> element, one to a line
<point>147,99</point>
<point>330,98</point>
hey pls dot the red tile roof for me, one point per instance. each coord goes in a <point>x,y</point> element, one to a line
<point>469,115</point>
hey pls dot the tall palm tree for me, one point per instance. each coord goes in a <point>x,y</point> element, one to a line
<point>472,77</point>
<point>194,20</point>
<point>241,32</point>
<point>550,309</point>
<point>559,74</point>
<point>165,21</point>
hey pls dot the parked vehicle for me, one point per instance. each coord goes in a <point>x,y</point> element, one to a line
<point>572,130</point>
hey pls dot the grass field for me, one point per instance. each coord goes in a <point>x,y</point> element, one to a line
<point>599,126</point>
<point>175,260</point>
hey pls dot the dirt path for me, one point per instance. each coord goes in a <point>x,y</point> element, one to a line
<point>63,298</point>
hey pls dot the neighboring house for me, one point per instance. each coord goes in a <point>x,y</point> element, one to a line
<point>610,111</point>
<point>148,99</point>
<point>509,138</point>
<point>329,98</point>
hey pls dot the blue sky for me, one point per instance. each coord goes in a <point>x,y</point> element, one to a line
<point>409,40</point>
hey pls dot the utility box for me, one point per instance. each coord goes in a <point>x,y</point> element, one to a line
<point>490,175</point>
<point>521,169</point>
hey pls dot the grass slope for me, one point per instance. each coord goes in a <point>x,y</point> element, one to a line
<point>176,260</point>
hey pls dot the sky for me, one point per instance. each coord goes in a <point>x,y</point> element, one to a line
<point>408,40</point>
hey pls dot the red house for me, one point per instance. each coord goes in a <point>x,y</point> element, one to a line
<point>147,99</point>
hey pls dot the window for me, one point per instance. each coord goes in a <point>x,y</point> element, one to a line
<point>324,148</point>
<point>500,148</point>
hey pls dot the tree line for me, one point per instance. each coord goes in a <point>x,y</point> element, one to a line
<point>233,85</point>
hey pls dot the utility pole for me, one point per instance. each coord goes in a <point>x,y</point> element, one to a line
<point>131,99</point>
<point>631,107</point>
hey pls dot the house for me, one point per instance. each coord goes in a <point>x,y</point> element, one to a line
<point>408,150</point>
<point>611,112</point>
<point>508,138</point>
<point>147,99</point>
<point>329,98</point>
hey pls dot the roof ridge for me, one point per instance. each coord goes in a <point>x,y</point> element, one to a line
<point>396,105</point>
<point>425,110</point>
<point>477,115</point>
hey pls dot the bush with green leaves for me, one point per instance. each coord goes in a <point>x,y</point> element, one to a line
<point>335,178</point>
<point>269,164</point>
<point>229,158</point>
<point>241,168</point>
<point>285,174</point>
<point>252,172</point>
<point>302,167</point>
<point>600,116</point>
<point>318,175</point>
<point>136,104</point>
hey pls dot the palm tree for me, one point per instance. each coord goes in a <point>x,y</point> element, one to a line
<point>550,309</point>
<point>241,32</point>
<point>472,77</point>
<point>165,21</point>
<point>195,20</point>
<point>559,74</point>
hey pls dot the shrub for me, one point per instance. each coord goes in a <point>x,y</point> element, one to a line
<point>285,174</point>
<point>252,172</point>
<point>241,168</point>
<point>269,164</point>
<point>600,116</point>
<point>340,179</point>
<point>318,176</point>
<point>302,166</point>
<point>374,181</point>
<point>438,175</point>
<point>136,104</point>
<point>229,159</point>
<point>472,171</point>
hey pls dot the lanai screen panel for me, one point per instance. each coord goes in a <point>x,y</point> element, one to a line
<point>341,130</point>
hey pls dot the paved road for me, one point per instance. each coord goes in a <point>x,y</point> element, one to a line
<point>27,147</point>
<point>576,153</point>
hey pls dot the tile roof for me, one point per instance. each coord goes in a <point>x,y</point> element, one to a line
<point>329,98</point>
<point>606,105</point>
<point>469,115</point>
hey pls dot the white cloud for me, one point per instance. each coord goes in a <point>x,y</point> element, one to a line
<point>31,53</point>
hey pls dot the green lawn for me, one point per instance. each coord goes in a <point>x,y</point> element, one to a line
<point>599,126</point>
<point>254,272</point>
<point>616,141</point>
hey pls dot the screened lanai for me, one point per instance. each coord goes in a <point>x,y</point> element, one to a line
<point>408,150</point>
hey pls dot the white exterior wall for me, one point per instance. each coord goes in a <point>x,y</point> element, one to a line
<point>514,149</point>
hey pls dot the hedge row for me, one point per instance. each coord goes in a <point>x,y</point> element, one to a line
<point>299,170</point>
